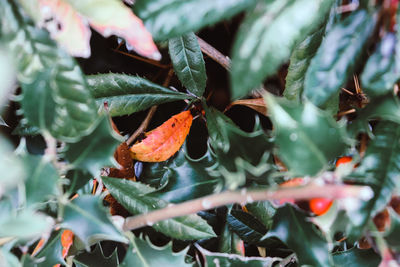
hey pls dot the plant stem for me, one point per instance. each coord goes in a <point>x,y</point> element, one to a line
<point>213,53</point>
<point>243,196</point>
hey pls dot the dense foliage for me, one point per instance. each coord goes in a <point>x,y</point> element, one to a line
<point>293,160</point>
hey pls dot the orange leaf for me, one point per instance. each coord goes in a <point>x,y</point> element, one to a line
<point>164,141</point>
<point>257,104</point>
<point>67,238</point>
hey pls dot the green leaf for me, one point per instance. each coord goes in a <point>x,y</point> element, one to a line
<point>294,229</point>
<point>96,258</point>
<point>385,107</point>
<point>51,253</point>
<point>172,18</point>
<point>229,242</point>
<point>379,169</point>
<point>144,253</point>
<point>185,178</point>
<point>89,220</point>
<point>42,180</point>
<point>232,260</point>
<point>267,37</point>
<point>188,62</point>
<point>54,90</point>
<point>263,211</point>
<point>301,134</point>
<point>126,94</point>
<point>77,179</point>
<point>11,167</point>
<point>246,226</point>
<point>95,150</point>
<point>13,224</point>
<point>299,62</point>
<point>134,197</point>
<point>337,57</point>
<point>382,69</point>
<point>356,257</point>
<point>8,259</point>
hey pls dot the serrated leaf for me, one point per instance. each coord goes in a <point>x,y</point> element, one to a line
<point>380,169</point>
<point>188,62</point>
<point>337,57</point>
<point>6,76</point>
<point>292,227</point>
<point>11,167</point>
<point>301,132</point>
<point>299,63</point>
<point>14,223</point>
<point>95,150</point>
<point>246,226</point>
<point>88,219</point>
<point>263,211</point>
<point>96,258</point>
<point>51,253</point>
<point>126,94</point>
<point>385,107</point>
<point>232,260</point>
<point>382,69</point>
<point>54,91</point>
<point>182,178</point>
<point>164,141</point>
<point>170,18</point>
<point>357,257</point>
<point>134,197</point>
<point>113,17</point>
<point>266,38</point>
<point>41,182</point>
<point>144,253</point>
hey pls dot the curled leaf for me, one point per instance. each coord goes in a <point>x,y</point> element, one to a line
<point>257,104</point>
<point>164,141</point>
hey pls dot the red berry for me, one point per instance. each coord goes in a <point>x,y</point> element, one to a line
<point>343,160</point>
<point>320,205</point>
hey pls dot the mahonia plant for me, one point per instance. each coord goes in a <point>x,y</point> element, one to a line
<point>199,133</point>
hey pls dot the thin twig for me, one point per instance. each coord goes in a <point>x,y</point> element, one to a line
<point>149,61</point>
<point>213,53</point>
<point>347,91</point>
<point>150,114</point>
<point>346,112</point>
<point>229,197</point>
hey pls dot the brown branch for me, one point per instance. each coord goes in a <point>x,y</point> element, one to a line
<point>149,61</point>
<point>213,53</point>
<point>150,114</point>
<point>230,197</point>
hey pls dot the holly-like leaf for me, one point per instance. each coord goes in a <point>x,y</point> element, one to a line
<point>42,179</point>
<point>299,63</point>
<point>383,67</point>
<point>77,179</point>
<point>337,57</point>
<point>144,253</point>
<point>301,236</point>
<point>6,77</point>
<point>232,260</point>
<point>51,253</point>
<point>95,150</point>
<point>183,178</point>
<point>11,167</point>
<point>385,108</point>
<point>88,220</point>
<point>246,226</point>
<point>54,91</point>
<point>357,257</point>
<point>96,258</point>
<point>379,169</point>
<point>188,62</point>
<point>267,36</point>
<point>263,211</point>
<point>167,19</point>
<point>301,132</point>
<point>126,94</point>
<point>164,141</point>
<point>134,197</point>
